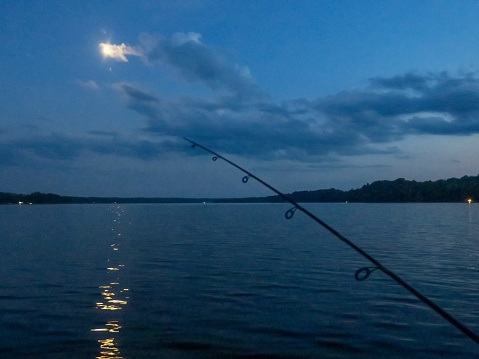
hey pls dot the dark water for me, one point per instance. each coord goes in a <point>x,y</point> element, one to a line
<point>234,281</point>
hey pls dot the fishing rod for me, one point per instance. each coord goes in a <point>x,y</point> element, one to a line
<point>362,273</point>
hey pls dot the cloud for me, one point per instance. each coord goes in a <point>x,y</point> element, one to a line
<point>64,148</point>
<point>118,52</point>
<point>198,62</point>
<point>258,128</point>
<point>89,84</point>
<point>136,93</point>
<point>7,156</point>
<point>193,60</point>
<point>240,118</point>
<point>348,123</point>
<point>402,82</point>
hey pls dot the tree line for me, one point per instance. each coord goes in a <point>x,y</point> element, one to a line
<point>400,190</point>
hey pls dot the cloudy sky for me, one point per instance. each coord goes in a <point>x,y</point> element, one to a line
<point>96,96</point>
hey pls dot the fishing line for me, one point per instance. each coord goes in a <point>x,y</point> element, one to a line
<point>362,273</point>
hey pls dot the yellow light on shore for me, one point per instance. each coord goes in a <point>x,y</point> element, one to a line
<point>469,200</point>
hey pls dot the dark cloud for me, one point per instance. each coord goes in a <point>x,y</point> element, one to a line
<point>294,129</point>
<point>7,156</point>
<point>439,105</point>
<point>240,119</point>
<point>136,93</point>
<point>66,148</point>
<point>347,123</point>
<point>102,133</point>
<point>197,62</point>
<point>402,82</point>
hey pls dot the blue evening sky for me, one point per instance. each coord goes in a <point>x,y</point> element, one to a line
<point>96,96</point>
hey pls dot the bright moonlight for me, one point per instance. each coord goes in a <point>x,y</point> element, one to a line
<point>106,49</point>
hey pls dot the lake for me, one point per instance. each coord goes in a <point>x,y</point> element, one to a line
<point>235,281</point>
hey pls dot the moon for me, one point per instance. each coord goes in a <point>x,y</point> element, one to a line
<point>118,52</point>
<point>106,49</point>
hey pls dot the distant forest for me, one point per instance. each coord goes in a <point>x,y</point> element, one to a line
<point>399,190</point>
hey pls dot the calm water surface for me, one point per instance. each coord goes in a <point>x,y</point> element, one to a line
<point>235,281</point>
